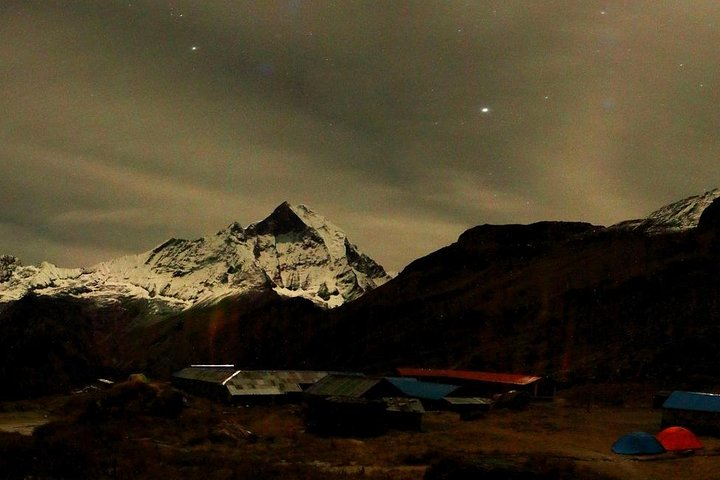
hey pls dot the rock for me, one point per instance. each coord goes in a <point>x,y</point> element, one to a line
<point>710,217</point>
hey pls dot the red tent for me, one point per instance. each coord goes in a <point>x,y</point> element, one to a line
<point>678,438</point>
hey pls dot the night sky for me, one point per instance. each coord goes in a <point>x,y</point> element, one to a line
<point>125,123</point>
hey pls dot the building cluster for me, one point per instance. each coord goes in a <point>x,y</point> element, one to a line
<point>698,411</point>
<point>354,403</point>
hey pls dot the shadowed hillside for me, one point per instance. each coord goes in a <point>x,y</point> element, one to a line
<point>566,299</point>
<point>52,344</point>
<point>261,330</point>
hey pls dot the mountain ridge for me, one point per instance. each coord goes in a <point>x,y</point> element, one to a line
<point>674,217</point>
<point>294,251</point>
<point>569,300</point>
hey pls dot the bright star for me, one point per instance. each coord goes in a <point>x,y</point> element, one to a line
<point>194,48</point>
<point>485,110</point>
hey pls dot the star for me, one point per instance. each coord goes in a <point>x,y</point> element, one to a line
<point>485,110</point>
<point>194,48</point>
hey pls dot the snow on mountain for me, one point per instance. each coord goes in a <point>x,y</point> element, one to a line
<point>16,279</point>
<point>294,251</point>
<point>303,252</point>
<point>675,217</point>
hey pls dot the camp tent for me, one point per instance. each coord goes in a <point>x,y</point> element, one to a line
<point>678,438</point>
<point>637,443</point>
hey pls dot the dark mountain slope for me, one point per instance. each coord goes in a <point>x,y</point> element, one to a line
<point>565,299</point>
<point>261,330</point>
<point>52,344</point>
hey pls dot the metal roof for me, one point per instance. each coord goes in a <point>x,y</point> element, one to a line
<point>468,401</point>
<point>489,377</point>
<point>205,374</point>
<point>343,386</point>
<point>256,390</point>
<point>695,401</point>
<point>245,380</point>
<point>294,376</point>
<point>423,390</point>
<point>268,382</point>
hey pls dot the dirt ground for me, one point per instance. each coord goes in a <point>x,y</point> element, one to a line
<point>212,440</point>
<point>25,415</point>
<point>23,422</point>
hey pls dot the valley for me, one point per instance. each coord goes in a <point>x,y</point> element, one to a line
<point>568,438</point>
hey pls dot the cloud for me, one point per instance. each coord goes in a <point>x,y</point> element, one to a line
<point>117,134</point>
<point>401,236</point>
<point>31,248</point>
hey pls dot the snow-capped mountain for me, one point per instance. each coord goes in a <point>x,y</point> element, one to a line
<point>294,251</point>
<point>675,217</point>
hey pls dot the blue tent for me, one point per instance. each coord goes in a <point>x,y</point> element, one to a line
<point>637,443</point>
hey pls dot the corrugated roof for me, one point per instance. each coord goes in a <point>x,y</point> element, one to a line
<point>695,401</point>
<point>270,382</point>
<point>468,401</point>
<point>423,390</point>
<point>343,386</point>
<point>258,390</point>
<point>240,382</point>
<point>296,376</point>
<point>205,374</point>
<point>491,377</point>
<point>284,380</point>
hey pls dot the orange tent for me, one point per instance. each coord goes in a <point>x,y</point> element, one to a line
<point>678,438</point>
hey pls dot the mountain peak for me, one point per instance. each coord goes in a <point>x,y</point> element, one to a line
<point>283,219</point>
<point>301,212</point>
<point>306,255</point>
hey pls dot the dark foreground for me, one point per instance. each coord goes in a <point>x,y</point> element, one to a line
<point>143,432</point>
